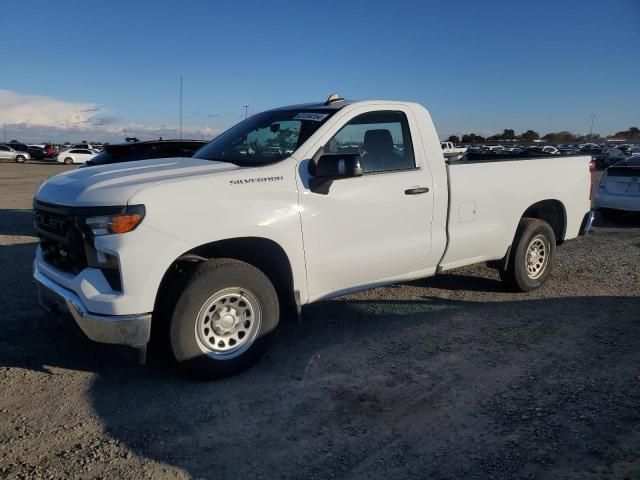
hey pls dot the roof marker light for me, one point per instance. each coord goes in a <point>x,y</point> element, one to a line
<point>334,97</point>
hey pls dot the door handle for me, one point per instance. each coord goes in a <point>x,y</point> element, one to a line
<point>416,191</point>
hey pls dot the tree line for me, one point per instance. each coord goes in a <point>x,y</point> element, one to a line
<point>563,136</point>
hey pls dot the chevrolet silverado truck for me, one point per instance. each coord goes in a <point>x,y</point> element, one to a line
<point>291,206</point>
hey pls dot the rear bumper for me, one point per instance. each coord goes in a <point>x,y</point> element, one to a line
<point>587,221</point>
<point>603,199</point>
<point>131,330</point>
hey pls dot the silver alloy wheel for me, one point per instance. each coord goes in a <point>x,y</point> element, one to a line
<point>537,256</point>
<point>228,323</point>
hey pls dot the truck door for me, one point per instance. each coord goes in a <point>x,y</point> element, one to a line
<point>376,227</point>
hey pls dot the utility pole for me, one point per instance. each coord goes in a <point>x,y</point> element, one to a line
<point>591,134</point>
<point>180,107</point>
<point>4,131</point>
<point>246,110</point>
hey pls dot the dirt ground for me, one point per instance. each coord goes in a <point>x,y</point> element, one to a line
<point>448,377</point>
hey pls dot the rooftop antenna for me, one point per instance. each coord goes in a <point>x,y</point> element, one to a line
<point>246,110</point>
<point>180,107</point>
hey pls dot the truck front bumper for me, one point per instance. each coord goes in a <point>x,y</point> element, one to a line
<point>130,330</point>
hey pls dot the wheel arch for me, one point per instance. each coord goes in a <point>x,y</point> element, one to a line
<point>263,253</point>
<point>551,211</point>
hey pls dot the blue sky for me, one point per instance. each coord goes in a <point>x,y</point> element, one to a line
<point>77,68</point>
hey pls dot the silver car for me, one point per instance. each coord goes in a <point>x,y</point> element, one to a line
<point>7,152</point>
<point>619,188</point>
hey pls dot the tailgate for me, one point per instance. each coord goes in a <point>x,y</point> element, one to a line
<point>623,180</point>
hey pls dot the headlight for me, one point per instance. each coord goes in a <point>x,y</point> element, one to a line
<point>116,223</point>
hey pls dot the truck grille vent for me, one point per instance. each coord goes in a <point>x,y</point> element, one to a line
<point>61,240</point>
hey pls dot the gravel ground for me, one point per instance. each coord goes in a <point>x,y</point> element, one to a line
<point>448,377</point>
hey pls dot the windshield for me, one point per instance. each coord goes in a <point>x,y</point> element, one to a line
<point>264,138</point>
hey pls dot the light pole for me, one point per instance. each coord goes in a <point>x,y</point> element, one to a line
<point>591,134</point>
<point>180,107</point>
<point>246,110</point>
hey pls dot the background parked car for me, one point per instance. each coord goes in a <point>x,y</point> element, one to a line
<point>8,152</point>
<point>619,188</point>
<point>569,151</point>
<point>18,146</point>
<point>551,150</point>
<point>612,156</point>
<point>36,153</point>
<point>598,154</point>
<point>76,155</point>
<point>50,150</point>
<point>126,152</point>
<point>537,151</point>
<point>88,146</point>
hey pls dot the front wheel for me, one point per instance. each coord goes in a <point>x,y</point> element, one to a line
<point>224,318</point>
<point>68,161</point>
<point>531,257</point>
<point>20,159</point>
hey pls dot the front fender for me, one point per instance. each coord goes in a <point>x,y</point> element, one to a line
<point>224,206</point>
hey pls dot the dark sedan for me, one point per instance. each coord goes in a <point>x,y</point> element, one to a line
<point>36,153</point>
<point>127,152</point>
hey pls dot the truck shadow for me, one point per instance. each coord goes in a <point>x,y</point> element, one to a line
<point>399,379</point>
<point>456,281</point>
<point>441,388</point>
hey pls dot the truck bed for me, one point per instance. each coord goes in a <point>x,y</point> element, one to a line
<point>488,197</point>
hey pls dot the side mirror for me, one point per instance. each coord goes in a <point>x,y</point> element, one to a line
<point>324,168</point>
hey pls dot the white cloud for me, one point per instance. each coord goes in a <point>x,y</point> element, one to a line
<point>39,110</point>
<point>37,118</point>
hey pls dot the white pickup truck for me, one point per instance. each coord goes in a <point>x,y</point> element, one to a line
<point>451,152</point>
<point>290,206</point>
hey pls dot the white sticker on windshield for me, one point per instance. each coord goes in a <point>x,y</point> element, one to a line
<point>314,117</point>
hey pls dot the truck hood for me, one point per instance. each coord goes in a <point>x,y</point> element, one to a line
<point>114,184</point>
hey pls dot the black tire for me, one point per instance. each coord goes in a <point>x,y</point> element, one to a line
<point>610,214</point>
<point>517,277</point>
<point>20,159</point>
<point>208,280</point>
<point>68,161</point>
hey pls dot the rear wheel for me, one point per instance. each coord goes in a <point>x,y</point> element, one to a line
<point>68,161</point>
<point>531,257</point>
<point>20,158</point>
<point>224,318</point>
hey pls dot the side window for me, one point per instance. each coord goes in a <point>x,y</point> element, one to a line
<point>382,139</point>
<point>3,148</point>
